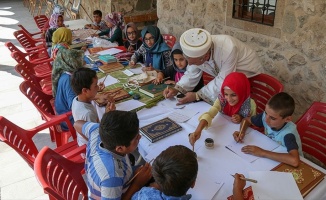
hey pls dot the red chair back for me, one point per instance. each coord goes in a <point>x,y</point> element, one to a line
<point>169,39</point>
<point>30,34</point>
<point>18,139</point>
<point>32,54</point>
<point>27,41</point>
<point>40,21</point>
<point>60,178</point>
<point>312,129</point>
<point>262,88</point>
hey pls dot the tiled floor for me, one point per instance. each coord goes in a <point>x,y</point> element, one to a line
<point>17,180</point>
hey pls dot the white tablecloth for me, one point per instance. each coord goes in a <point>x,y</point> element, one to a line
<point>217,163</point>
<point>76,24</point>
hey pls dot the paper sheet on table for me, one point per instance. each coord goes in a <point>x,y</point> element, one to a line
<point>137,70</point>
<point>182,115</point>
<point>89,38</point>
<point>252,138</point>
<point>205,188</point>
<point>274,185</point>
<point>110,51</point>
<point>172,103</point>
<point>128,72</point>
<point>129,105</point>
<point>108,81</point>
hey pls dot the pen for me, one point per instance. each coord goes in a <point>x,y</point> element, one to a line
<point>241,129</point>
<point>136,174</point>
<point>105,79</point>
<point>247,179</point>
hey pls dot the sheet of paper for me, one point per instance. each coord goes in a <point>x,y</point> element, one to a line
<point>204,188</point>
<point>128,72</point>
<point>274,185</point>
<point>172,103</point>
<point>252,138</point>
<point>182,115</point>
<point>137,70</point>
<point>109,80</point>
<point>110,51</point>
<point>129,105</point>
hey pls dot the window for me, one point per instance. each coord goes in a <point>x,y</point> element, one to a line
<point>258,11</point>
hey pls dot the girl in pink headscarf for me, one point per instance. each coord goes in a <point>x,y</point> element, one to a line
<point>55,22</point>
<point>114,33</point>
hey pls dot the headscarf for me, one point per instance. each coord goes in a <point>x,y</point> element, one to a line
<point>62,35</point>
<point>67,60</point>
<point>177,50</point>
<point>157,49</point>
<point>53,22</point>
<point>114,18</point>
<point>133,26</point>
<point>238,83</point>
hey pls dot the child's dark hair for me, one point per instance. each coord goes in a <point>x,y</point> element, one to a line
<point>175,170</point>
<point>177,51</point>
<point>82,78</point>
<point>97,12</point>
<point>118,128</point>
<point>282,103</point>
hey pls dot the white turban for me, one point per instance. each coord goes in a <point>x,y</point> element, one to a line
<point>195,42</point>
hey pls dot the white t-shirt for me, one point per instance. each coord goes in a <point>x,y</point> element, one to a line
<point>83,111</point>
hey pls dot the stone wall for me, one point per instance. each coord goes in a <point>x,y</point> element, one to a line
<point>293,50</point>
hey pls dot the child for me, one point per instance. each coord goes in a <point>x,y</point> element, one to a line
<point>155,52</point>
<point>235,102</point>
<point>55,22</point>
<point>61,39</point>
<point>84,84</point>
<point>98,23</point>
<point>133,42</point>
<point>108,168</point>
<point>278,126</point>
<point>176,72</point>
<point>174,171</point>
<point>57,10</point>
<point>114,31</point>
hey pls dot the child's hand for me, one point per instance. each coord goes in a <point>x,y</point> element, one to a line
<point>101,86</point>
<point>253,150</point>
<point>109,107</point>
<point>170,92</point>
<point>236,118</point>
<point>145,174</point>
<point>94,35</point>
<point>157,81</point>
<point>94,27</point>
<point>238,137</point>
<point>130,49</point>
<point>238,183</point>
<point>169,82</point>
<point>132,63</point>
<point>193,137</point>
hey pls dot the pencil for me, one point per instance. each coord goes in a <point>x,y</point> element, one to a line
<point>137,174</point>
<point>247,179</point>
<point>242,125</point>
<point>105,79</point>
<point>167,88</point>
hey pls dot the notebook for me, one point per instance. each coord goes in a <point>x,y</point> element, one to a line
<point>160,129</point>
<point>153,90</point>
<point>110,67</point>
<point>306,176</point>
<point>107,58</point>
<point>117,94</point>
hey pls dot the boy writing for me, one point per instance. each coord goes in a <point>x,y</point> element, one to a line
<point>107,165</point>
<point>84,84</point>
<point>98,23</point>
<point>278,126</point>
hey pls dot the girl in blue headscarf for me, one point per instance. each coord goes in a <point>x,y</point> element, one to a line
<point>155,52</point>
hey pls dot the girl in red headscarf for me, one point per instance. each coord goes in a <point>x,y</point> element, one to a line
<point>234,101</point>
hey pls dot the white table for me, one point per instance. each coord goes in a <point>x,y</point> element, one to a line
<point>76,24</point>
<point>219,162</point>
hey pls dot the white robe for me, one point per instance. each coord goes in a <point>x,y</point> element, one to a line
<point>228,55</point>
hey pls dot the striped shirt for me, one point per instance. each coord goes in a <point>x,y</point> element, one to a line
<point>107,173</point>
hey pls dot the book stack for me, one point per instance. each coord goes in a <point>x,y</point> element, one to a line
<point>153,90</point>
<point>160,129</point>
<point>93,57</point>
<point>107,58</point>
<point>110,67</point>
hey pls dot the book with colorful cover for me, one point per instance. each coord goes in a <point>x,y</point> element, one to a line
<point>93,57</point>
<point>110,67</point>
<point>160,129</point>
<point>117,94</point>
<point>107,58</point>
<point>306,176</point>
<point>153,90</point>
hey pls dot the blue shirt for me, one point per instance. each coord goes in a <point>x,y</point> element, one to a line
<point>107,173</point>
<point>148,193</point>
<point>64,97</point>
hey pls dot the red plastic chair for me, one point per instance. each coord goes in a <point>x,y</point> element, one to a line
<point>28,42</point>
<point>169,39</point>
<point>43,83</point>
<point>40,21</point>
<point>32,34</point>
<point>262,88</point>
<point>21,140</point>
<point>33,55</point>
<point>60,178</point>
<point>43,104</point>
<point>312,129</point>
<point>39,67</point>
